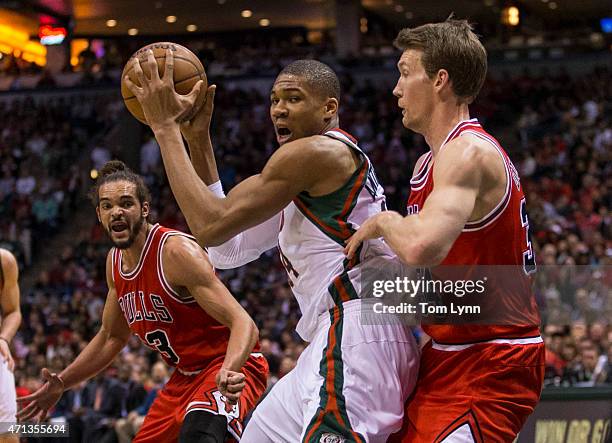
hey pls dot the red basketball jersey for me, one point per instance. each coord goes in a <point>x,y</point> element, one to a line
<point>499,238</point>
<point>176,327</point>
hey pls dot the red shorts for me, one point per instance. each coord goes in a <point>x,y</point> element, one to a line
<point>483,393</point>
<point>186,393</point>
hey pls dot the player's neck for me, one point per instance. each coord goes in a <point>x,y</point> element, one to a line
<point>131,255</point>
<point>441,123</point>
<point>332,124</point>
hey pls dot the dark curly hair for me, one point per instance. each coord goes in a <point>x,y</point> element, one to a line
<point>116,170</point>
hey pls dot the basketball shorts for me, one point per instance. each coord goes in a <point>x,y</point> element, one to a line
<point>187,392</point>
<point>8,397</point>
<point>474,393</point>
<point>349,385</point>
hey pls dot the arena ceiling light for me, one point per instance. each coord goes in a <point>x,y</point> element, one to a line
<point>132,31</point>
<point>191,28</point>
<point>264,22</point>
<point>111,23</point>
<point>246,13</point>
<point>171,19</point>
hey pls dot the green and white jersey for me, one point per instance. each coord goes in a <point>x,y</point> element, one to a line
<point>313,232</point>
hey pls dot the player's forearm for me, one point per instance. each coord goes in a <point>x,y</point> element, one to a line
<point>408,238</point>
<point>203,158</point>
<point>97,355</point>
<point>243,336</point>
<point>198,204</point>
<point>10,325</point>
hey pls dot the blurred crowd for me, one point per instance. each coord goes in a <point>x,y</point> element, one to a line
<point>556,128</point>
<point>40,180</point>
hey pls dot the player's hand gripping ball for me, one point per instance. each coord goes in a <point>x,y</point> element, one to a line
<point>188,70</point>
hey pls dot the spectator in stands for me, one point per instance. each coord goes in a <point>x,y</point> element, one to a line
<point>127,427</point>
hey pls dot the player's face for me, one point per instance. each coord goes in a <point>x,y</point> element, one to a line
<point>414,90</point>
<point>120,212</point>
<point>296,111</point>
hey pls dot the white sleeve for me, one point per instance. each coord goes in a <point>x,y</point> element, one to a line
<point>246,246</point>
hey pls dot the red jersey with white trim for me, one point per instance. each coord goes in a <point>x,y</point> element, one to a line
<point>174,325</point>
<point>499,238</point>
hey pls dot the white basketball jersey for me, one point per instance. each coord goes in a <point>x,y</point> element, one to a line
<point>312,239</point>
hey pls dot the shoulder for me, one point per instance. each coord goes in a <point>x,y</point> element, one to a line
<point>317,148</point>
<point>9,262</point>
<point>182,256</point>
<point>109,267</point>
<point>468,151</point>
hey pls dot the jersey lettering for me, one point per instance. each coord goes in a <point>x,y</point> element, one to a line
<point>412,209</point>
<point>137,311</point>
<point>162,312</point>
<point>291,272</point>
<point>150,316</point>
<point>372,185</point>
<point>529,263</point>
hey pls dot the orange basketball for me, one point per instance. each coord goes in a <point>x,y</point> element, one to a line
<point>188,70</point>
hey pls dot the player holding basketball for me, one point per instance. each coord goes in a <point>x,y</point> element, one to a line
<point>163,289</point>
<point>352,380</point>
<point>476,383</point>
<point>11,319</point>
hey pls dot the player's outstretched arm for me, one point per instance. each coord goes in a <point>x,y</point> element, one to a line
<point>424,239</point>
<point>186,266</point>
<point>9,304</point>
<point>97,355</point>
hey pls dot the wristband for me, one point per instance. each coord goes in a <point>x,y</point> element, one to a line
<point>217,189</point>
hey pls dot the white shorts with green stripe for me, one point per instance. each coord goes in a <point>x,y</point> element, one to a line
<point>349,385</point>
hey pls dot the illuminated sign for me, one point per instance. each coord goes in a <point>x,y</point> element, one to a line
<point>51,35</point>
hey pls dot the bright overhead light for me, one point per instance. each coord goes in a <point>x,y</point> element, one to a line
<point>399,8</point>
<point>111,23</point>
<point>132,31</point>
<point>171,19</point>
<point>264,22</point>
<point>192,28</point>
<point>246,13</point>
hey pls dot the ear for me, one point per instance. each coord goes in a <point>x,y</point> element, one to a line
<point>331,108</point>
<point>98,213</point>
<point>441,79</point>
<point>145,209</point>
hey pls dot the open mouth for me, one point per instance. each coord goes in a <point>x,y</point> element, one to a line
<point>283,134</point>
<point>119,226</point>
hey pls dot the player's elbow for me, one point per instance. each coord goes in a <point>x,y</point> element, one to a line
<point>208,234</point>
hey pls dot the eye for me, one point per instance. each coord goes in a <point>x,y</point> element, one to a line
<point>128,204</point>
<point>294,99</point>
<point>274,101</point>
<point>106,206</point>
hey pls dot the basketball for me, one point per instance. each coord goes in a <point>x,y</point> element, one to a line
<point>188,70</point>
